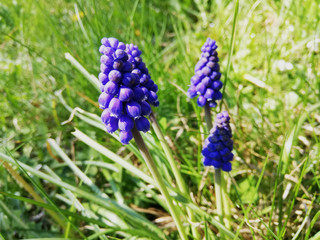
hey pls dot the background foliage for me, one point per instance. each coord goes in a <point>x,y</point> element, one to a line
<point>272,96</point>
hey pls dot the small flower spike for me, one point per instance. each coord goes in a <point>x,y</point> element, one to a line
<point>218,146</point>
<point>148,87</point>
<point>206,81</point>
<point>123,98</point>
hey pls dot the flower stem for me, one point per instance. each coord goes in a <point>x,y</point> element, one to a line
<point>180,182</point>
<point>226,205</point>
<point>207,115</point>
<point>218,190</point>
<point>158,179</point>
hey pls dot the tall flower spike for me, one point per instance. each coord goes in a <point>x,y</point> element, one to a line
<point>149,88</point>
<point>206,81</point>
<point>123,98</point>
<point>218,146</point>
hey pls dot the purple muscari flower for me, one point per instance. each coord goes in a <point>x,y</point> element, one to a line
<point>104,100</point>
<point>111,88</point>
<point>125,94</point>
<point>218,146</point>
<point>103,78</point>
<point>206,81</point>
<point>125,136</point>
<point>115,107</point>
<point>152,97</point>
<point>142,124</point>
<point>105,116</point>
<point>133,109</point>
<point>139,94</point>
<point>112,125</point>
<point>106,60</point>
<point>123,97</point>
<point>126,123</point>
<point>141,70</point>
<point>114,76</point>
<point>145,108</point>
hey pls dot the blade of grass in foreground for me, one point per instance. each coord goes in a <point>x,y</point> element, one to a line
<point>92,79</point>
<point>82,218</point>
<point>75,169</point>
<point>10,214</point>
<point>315,237</point>
<point>314,220</point>
<point>127,213</point>
<point>84,178</point>
<point>39,188</point>
<point>52,239</point>
<point>76,203</point>
<point>233,34</point>
<point>104,202</point>
<point>175,211</point>
<point>305,220</point>
<point>252,199</point>
<point>173,164</point>
<point>285,161</point>
<point>112,156</point>
<point>49,207</point>
<point>297,187</point>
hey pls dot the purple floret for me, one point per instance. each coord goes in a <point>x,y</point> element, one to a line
<point>217,150</point>
<point>123,97</point>
<point>139,68</point>
<point>206,81</point>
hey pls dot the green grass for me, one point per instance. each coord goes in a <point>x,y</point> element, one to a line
<point>95,184</point>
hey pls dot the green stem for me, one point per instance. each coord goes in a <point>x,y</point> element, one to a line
<point>207,116</point>
<point>226,205</point>
<point>180,182</point>
<point>217,186</point>
<point>158,179</point>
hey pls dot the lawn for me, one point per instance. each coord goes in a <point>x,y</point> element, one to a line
<point>62,176</point>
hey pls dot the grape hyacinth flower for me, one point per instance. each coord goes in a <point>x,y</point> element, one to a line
<point>127,92</point>
<point>206,81</point>
<point>218,146</point>
<point>147,85</point>
<point>122,97</point>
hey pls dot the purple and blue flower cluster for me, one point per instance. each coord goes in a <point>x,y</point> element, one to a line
<point>125,89</point>
<point>218,146</point>
<point>206,81</point>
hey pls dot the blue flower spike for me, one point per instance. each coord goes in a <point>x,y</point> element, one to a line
<point>217,150</point>
<point>124,98</point>
<point>206,81</point>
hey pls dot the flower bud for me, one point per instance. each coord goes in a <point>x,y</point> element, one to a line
<point>142,124</point>
<point>111,88</point>
<point>125,94</point>
<point>104,100</point>
<point>126,123</point>
<point>125,136</point>
<point>115,76</point>
<point>133,109</point>
<point>115,107</point>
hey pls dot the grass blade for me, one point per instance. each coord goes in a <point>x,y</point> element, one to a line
<point>112,156</point>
